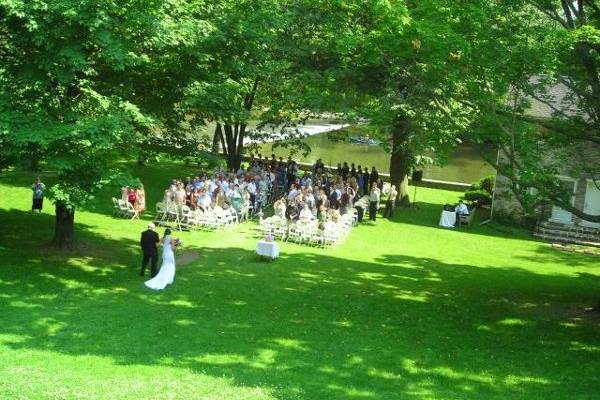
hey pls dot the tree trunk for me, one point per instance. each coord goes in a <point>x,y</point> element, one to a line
<point>400,164</point>
<point>216,142</point>
<point>64,227</point>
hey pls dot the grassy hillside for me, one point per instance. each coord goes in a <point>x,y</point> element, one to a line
<point>401,310</point>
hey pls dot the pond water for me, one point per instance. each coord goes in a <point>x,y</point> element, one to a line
<point>465,164</point>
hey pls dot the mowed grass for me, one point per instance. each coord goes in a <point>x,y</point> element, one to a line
<point>401,310</point>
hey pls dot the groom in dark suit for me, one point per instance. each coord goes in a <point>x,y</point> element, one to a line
<point>149,242</point>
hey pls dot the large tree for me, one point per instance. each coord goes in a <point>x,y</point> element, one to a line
<point>402,65</point>
<point>544,111</point>
<point>58,99</point>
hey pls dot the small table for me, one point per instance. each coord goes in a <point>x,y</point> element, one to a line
<point>448,219</point>
<point>267,249</point>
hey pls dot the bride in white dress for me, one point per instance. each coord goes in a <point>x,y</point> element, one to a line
<point>167,269</point>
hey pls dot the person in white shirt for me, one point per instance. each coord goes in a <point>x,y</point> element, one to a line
<point>391,202</point>
<point>204,200</point>
<point>461,209</point>
<point>374,201</point>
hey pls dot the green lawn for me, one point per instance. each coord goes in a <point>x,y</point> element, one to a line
<point>400,310</point>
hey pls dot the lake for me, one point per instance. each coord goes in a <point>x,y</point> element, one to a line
<point>465,164</point>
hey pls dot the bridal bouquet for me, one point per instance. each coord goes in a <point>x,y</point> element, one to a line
<point>177,242</point>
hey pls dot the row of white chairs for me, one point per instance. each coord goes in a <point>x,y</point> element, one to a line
<point>308,232</point>
<point>124,209</point>
<point>186,218</point>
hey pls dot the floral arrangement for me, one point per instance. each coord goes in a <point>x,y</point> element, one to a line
<point>177,242</point>
<point>269,237</point>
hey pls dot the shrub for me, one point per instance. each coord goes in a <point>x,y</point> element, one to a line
<point>480,193</point>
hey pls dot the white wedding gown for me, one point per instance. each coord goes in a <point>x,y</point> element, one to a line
<point>166,275</point>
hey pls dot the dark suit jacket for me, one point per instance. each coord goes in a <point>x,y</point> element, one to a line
<point>148,242</point>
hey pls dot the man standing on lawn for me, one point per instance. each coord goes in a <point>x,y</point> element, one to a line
<point>149,242</point>
<point>38,195</point>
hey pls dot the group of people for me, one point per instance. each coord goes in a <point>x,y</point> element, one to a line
<point>243,190</point>
<point>323,195</point>
<point>136,197</point>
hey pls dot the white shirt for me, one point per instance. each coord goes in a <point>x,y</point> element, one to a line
<point>251,188</point>
<point>462,209</point>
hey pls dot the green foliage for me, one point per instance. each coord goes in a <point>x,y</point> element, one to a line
<point>481,193</point>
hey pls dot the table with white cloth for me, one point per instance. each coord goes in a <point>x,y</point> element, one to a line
<point>448,219</point>
<point>267,249</point>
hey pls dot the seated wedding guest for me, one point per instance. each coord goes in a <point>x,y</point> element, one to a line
<point>279,208</point>
<point>334,215</point>
<point>461,209</point>
<point>390,204</point>
<point>220,198</point>
<point>235,198</point>
<point>344,202</point>
<point>38,189</point>
<point>194,199</point>
<point>204,200</point>
<point>180,195</point>
<point>310,200</point>
<point>374,201</point>
<point>322,217</point>
<point>140,204</point>
<point>131,197</point>
<point>293,193</point>
<point>305,214</point>
<point>292,211</point>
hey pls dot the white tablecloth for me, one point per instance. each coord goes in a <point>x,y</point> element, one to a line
<point>267,249</point>
<point>448,219</point>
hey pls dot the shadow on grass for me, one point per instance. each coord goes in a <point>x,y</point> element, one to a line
<point>315,326</point>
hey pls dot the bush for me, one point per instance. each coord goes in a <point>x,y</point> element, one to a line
<point>480,193</point>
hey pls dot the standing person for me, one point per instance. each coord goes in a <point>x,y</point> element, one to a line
<point>149,242</point>
<point>167,267</point>
<point>374,177</point>
<point>360,181</point>
<point>131,196</point>
<point>38,195</point>
<point>141,200</point>
<point>374,201</point>
<point>390,204</point>
<point>345,171</point>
